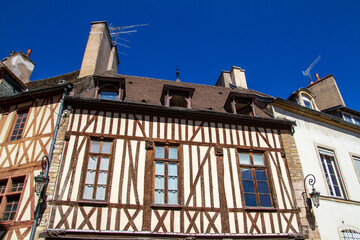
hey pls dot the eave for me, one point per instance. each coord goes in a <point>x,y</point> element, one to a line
<point>138,108</point>
<point>316,115</point>
<point>32,95</point>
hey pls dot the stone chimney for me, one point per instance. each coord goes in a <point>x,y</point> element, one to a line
<point>20,65</point>
<point>327,93</point>
<point>234,78</point>
<point>100,53</point>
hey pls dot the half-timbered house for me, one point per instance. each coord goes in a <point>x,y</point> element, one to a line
<point>28,120</point>
<point>148,158</point>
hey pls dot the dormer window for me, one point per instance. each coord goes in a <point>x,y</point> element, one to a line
<point>351,118</point>
<point>110,89</point>
<point>177,97</point>
<point>307,102</point>
<point>239,104</point>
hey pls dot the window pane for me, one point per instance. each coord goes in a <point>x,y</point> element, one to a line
<point>172,183</point>
<point>172,169</point>
<point>357,165</point>
<point>246,174</point>
<point>92,162</point>
<point>159,196</point>
<point>173,197</point>
<point>100,192</point>
<point>159,168</point>
<point>258,159</point>
<point>250,200</point>
<point>102,177</point>
<point>95,146</point>
<point>347,117</point>
<point>260,174</point>
<point>159,152</point>
<point>104,164</point>
<point>108,95</point>
<point>159,182</point>
<point>5,217</point>
<point>173,153</point>
<point>263,187</point>
<point>265,200</point>
<point>308,104</point>
<point>90,177</point>
<point>106,146</point>
<point>244,158</point>
<point>88,191</point>
<point>357,121</point>
<point>249,187</point>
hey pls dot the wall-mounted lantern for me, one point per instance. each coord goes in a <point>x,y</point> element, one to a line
<point>41,180</point>
<point>314,195</point>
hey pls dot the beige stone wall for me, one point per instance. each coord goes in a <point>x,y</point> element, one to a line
<point>53,173</point>
<point>297,179</point>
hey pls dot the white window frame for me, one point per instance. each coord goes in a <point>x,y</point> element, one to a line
<point>350,118</point>
<point>354,160</point>
<point>306,99</point>
<point>329,182</point>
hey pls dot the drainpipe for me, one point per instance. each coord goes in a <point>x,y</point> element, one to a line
<point>46,174</point>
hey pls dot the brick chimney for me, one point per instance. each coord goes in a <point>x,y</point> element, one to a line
<point>234,78</point>
<point>20,64</point>
<point>100,53</point>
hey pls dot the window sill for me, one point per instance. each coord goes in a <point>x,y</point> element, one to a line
<point>260,209</point>
<point>338,199</point>
<point>92,203</point>
<point>166,206</point>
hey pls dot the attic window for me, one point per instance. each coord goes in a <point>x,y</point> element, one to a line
<point>242,106</point>
<point>177,97</point>
<point>307,102</point>
<point>112,89</point>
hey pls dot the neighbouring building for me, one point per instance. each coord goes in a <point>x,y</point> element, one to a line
<point>28,120</point>
<point>327,136</point>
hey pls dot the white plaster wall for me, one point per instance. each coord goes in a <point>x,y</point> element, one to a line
<point>309,134</point>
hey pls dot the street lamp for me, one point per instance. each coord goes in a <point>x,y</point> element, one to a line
<point>314,195</point>
<point>40,180</point>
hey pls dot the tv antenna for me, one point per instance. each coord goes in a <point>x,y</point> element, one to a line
<point>307,71</point>
<point>115,33</point>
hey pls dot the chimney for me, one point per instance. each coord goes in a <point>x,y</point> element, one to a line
<point>232,79</point>
<point>100,53</point>
<point>20,64</point>
<point>327,93</point>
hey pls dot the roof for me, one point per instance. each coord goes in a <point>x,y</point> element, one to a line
<point>53,81</point>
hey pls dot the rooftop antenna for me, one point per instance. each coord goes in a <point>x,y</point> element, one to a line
<point>307,71</point>
<point>115,33</point>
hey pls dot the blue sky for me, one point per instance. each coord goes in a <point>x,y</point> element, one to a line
<point>272,40</point>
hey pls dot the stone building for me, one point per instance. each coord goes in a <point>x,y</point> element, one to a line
<point>327,136</point>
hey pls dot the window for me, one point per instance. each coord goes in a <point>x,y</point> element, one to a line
<point>19,125</point>
<point>242,106</point>
<point>10,192</point>
<point>178,97</point>
<point>96,176</point>
<point>351,119</point>
<point>110,88</point>
<point>357,165</point>
<point>350,234</point>
<point>331,173</point>
<point>254,179</point>
<point>307,102</point>
<point>166,189</point>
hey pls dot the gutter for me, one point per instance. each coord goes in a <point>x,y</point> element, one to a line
<point>52,146</point>
<point>317,115</point>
